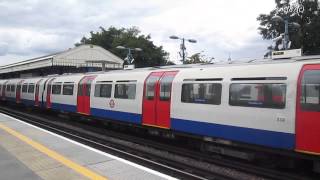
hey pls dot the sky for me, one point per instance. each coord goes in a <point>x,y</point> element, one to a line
<point>32,28</point>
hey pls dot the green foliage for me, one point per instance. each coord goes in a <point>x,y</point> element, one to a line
<point>306,37</point>
<point>109,39</point>
<point>197,58</point>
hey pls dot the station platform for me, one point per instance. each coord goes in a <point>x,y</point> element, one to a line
<point>28,152</point>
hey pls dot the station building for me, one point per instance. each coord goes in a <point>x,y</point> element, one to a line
<point>84,58</point>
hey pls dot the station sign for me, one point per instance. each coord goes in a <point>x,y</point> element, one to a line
<point>286,54</point>
<point>128,67</point>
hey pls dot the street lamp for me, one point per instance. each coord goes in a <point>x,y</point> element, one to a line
<point>182,46</point>
<point>285,19</point>
<point>129,57</point>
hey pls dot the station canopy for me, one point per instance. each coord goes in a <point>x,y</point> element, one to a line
<point>81,56</point>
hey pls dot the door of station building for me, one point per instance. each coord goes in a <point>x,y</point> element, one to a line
<point>36,96</point>
<point>83,97</point>
<point>308,110</point>
<point>48,97</point>
<point>157,99</point>
<point>18,92</point>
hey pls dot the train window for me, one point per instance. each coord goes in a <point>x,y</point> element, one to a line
<point>56,89</point>
<point>150,86</point>
<point>310,91</point>
<point>125,91</point>
<point>264,95</point>
<point>31,88</point>
<point>24,88</point>
<point>165,88</point>
<point>8,87</point>
<point>201,93</point>
<point>67,89</point>
<point>12,88</point>
<point>103,90</point>
<point>88,87</point>
<point>80,89</point>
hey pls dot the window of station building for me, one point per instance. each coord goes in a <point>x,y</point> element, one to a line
<point>125,91</point>
<point>263,95</point>
<point>165,88</point>
<point>201,93</point>
<point>56,89</point>
<point>67,89</point>
<point>24,88</point>
<point>103,90</point>
<point>8,87</point>
<point>31,88</point>
<point>310,91</point>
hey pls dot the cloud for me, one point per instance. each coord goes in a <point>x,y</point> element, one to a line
<point>29,28</point>
<point>3,48</point>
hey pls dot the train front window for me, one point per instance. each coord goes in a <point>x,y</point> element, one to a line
<point>310,91</point>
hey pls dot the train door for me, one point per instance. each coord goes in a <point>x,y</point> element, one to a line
<point>48,97</point>
<point>157,98</point>
<point>83,97</point>
<point>36,96</point>
<point>18,91</point>
<point>308,110</point>
<point>4,90</point>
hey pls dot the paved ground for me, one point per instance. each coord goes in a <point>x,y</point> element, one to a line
<point>11,168</point>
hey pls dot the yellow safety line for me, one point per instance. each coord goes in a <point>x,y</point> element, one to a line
<point>78,168</point>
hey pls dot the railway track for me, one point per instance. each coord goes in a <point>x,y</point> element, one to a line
<point>164,157</point>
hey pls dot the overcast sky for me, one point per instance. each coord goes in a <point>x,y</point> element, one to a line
<point>31,28</point>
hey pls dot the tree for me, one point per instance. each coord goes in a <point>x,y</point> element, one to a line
<point>197,58</point>
<point>151,55</point>
<point>306,37</point>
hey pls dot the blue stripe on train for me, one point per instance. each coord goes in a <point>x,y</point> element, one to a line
<point>247,135</point>
<point>11,99</point>
<point>103,113</point>
<point>27,102</point>
<point>117,115</point>
<point>64,107</point>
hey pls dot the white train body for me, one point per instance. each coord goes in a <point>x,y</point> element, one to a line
<point>255,103</point>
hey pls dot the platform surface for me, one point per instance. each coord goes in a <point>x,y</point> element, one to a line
<point>28,152</point>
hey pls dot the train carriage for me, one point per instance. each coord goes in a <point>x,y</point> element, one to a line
<point>10,90</point>
<point>2,89</point>
<point>271,104</point>
<point>30,92</point>
<point>118,96</point>
<point>60,93</point>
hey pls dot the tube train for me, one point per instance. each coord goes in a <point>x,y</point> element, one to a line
<point>271,104</point>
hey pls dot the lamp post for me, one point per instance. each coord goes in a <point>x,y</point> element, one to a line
<point>286,39</point>
<point>129,57</point>
<point>182,46</point>
<point>277,18</point>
